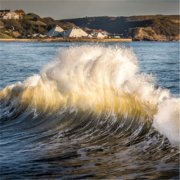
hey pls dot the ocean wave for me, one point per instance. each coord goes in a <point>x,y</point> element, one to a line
<point>100,81</point>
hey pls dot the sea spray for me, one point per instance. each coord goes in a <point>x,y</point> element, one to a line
<point>167,120</point>
<point>96,79</point>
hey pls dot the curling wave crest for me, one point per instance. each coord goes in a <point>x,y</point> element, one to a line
<point>96,79</point>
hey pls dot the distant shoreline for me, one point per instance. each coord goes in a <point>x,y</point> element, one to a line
<point>74,40</point>
<point>67,40</point>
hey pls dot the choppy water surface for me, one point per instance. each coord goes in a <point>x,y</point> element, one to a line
<point>88,111</point>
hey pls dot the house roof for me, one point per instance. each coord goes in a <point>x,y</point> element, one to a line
<point>55,31</point>
<point>76,32</point>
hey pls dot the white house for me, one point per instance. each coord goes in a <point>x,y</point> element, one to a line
<point>11,15</point>
<point>56,31</point>
<point>75,33</point>
<point>99,35</point>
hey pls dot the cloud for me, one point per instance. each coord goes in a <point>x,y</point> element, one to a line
<point>60,9</point>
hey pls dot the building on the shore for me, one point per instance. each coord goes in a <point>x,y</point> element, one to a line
<point>7,14</point>
<point>35,35</point>
<point>115,36</point>
<point>75,33</point>
<point>11,15</point>
<point>99,35</point>
<point>3,13</point>
<point>20,12</point>
<point>56,32</point>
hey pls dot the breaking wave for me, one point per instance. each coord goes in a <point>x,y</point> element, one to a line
<point>92,92</point>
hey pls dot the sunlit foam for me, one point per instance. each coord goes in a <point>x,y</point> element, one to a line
<point>167,120</point>
<point>93,78</point>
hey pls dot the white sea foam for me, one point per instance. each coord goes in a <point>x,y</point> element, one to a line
<point>101,79</point>
<point>167,120</point>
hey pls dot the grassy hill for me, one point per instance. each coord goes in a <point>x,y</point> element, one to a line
<point>29,25</point>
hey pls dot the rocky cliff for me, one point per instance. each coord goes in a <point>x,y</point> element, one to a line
<point>152,28</point>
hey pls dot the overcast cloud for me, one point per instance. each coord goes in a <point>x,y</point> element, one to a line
<point>61,9</point>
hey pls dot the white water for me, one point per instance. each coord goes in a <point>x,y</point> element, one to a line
<point>167,120</point>
<point>100,79</point>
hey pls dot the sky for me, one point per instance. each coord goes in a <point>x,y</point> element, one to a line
<point>64,9</point>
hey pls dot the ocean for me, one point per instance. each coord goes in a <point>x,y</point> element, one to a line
<point>89,110</point>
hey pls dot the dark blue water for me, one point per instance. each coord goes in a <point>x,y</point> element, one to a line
<point>20,60</point>
<point>68,144</point>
